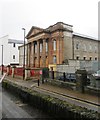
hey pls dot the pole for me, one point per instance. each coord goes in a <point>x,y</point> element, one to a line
<point>24,56</point>
<point>2,60</point>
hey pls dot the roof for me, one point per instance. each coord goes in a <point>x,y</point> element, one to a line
<point>32,29</point>
<point>15,41</point>
<point>84,36</point>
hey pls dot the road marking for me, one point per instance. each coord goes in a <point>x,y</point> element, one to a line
<point>33,85</point>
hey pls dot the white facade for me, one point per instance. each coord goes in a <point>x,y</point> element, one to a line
<point>10,50</point>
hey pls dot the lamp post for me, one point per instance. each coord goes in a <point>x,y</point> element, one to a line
<point>2,61</point>
<point>24,56</point>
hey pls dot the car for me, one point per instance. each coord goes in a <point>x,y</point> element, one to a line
<point>97,73</point>
<point>70,77</point>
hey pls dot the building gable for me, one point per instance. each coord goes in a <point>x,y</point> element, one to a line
<point>33,31</point>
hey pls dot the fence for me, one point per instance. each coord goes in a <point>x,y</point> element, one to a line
<point>18,71</point>
<point>62,76</point>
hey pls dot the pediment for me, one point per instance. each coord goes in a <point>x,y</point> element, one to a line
<point>34,31</point>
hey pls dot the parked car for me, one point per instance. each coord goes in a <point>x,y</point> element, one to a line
<point>70,77</point>
<point>97,75</point>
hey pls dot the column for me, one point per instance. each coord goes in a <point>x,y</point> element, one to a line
<point>44,54</point>
<point>28,62</point>
<point>38,54</point>
<point>27,57</point>
<point>33,56</point>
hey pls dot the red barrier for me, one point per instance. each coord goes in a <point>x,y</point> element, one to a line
<point>4,69</point>
<point>34,73</point>
<point>10,71</point>
<point>31,73</point>
<point>18,71</point>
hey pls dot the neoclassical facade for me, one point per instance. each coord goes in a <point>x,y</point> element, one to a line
<point>55,45</point>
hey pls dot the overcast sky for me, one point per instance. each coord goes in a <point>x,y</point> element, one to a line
<point>16,14</point>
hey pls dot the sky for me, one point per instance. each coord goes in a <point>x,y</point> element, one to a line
<point>18,14</point>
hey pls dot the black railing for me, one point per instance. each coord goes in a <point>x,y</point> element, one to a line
<point>62,76</point>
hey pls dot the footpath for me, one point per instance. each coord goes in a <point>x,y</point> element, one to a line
<point>64,91</point>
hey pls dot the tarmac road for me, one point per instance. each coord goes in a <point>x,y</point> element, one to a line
<point>11,110</point>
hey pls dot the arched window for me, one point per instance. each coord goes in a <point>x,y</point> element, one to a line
<point>35,48</point>
<point>84,47</point>
<point>46,46</point>
<point>95,49</point>
<point>41,47</point>
<point>90,47</point>
<point>54,45</point>
<point>54,59</point>
<point>77,46</point>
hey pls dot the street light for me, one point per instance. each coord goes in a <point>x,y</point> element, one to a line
<point>24,56</point>
<point>2,61</point>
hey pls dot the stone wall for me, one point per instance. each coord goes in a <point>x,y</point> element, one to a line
<point>73,65</point>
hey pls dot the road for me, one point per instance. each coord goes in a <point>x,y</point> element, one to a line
<point>11,110</point>
<point>12,107</point>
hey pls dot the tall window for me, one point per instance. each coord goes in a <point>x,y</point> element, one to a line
<point>35,48</point>
<point>54,45</point>
<point>14,45</point>
<point>54,59</point>
<point>95,49</point>
<point>84,47</point>
<point>77,46</point>
<point>90,47</point>
<point>41,47</point>
<point>46,46</point>
<point>13,56</point>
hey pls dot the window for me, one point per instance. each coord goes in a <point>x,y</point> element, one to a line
<point>14,45</point>
<point>41,47</point>
<point>95,58</point>
<point>77,58</point>
<point>90,47</point>
<point>35,48</point>
<point>54,59</point>
<point>84,47</point>
<point>84,58</point>
<point>90,58</point>
<point>77,46</point>
<point>95,49</point>
<point>54,45</point>
<point>46,46</point>
<point>13,56</point>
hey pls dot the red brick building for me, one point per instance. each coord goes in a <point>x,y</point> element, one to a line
<point>55,45</point>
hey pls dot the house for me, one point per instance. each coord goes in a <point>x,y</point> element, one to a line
<point>9,53</point>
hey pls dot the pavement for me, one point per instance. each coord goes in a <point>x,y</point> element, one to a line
<point>44,88</point>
